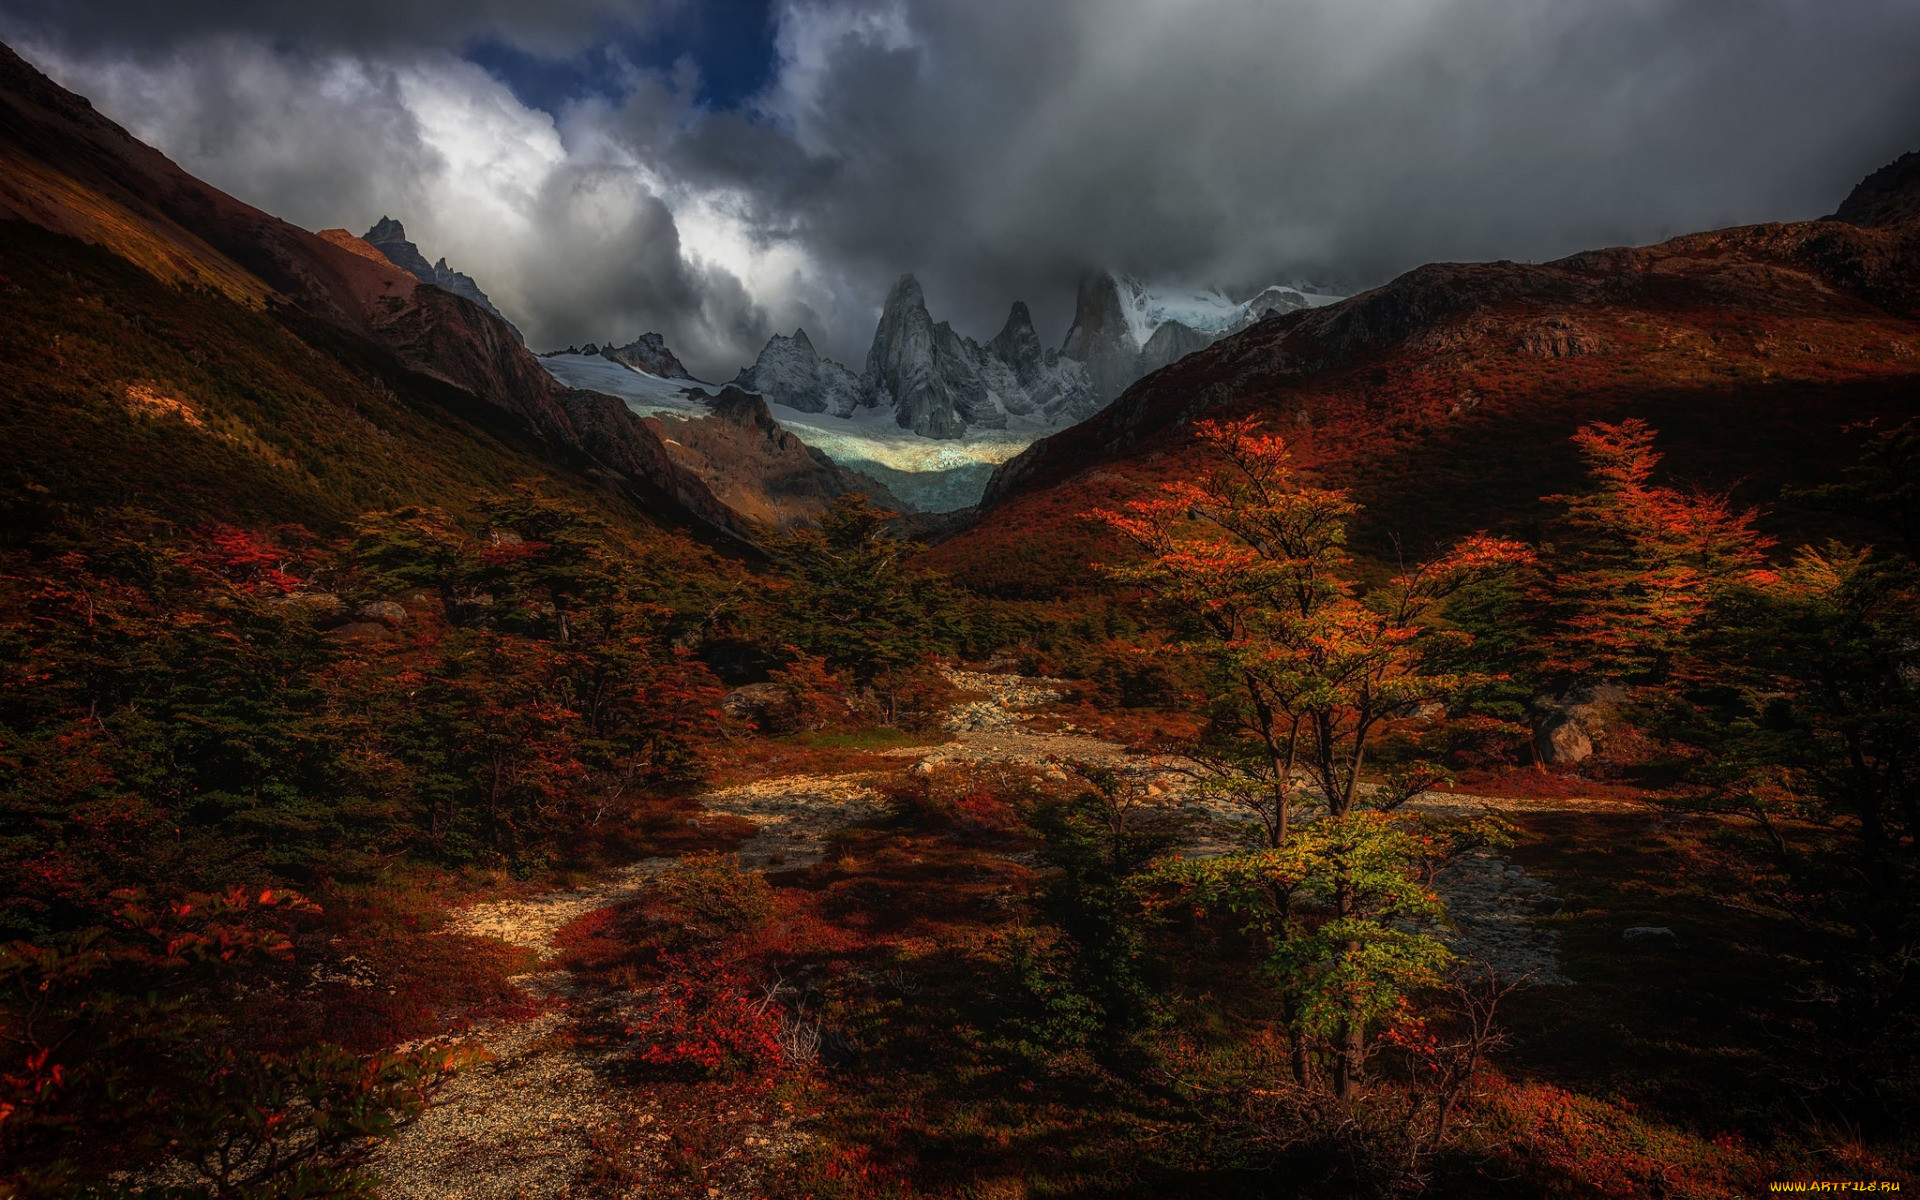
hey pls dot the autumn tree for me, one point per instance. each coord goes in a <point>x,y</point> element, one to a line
<point>122,1059</point>
<point>546,560</point>
<point>1637,562</point>
<point>1249,564</point>
<point>416,548</point>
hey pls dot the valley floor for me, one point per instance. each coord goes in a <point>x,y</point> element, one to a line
<point>549,1110</point>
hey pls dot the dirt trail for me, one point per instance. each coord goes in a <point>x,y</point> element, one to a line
<point>527,1123</point>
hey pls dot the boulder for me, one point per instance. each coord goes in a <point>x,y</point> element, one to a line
<point>321,608</point>
<point>1568,727</point>
<point>387,612</point>
<point>770,707</point>
<point>1562,743</point>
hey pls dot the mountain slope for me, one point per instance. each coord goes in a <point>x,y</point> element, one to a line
<point>1446,397</point>
<point>71,171</point>
<point>1889,196</point>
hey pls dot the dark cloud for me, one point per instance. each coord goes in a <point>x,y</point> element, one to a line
<point>999,148</point>
<point>550,26</point>
<point>1240,142</point>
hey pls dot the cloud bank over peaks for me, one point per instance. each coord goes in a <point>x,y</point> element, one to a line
<point>996,149</point>
<point>570,233</point>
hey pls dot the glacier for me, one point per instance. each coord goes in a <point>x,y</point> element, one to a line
<point>933,476</point>
<point>1207,311</point>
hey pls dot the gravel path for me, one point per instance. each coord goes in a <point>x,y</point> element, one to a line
<point>529,1122</point>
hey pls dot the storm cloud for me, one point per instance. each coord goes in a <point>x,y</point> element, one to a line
<point>1000,149</point>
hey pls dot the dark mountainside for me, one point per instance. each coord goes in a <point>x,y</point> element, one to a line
<point>1889,196</point>
<point>1753,348</point>
<point>71,171</point>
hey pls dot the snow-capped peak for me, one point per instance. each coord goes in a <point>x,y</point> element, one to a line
<point>1148,308</point>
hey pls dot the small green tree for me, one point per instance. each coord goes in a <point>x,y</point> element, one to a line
<point>1104,841</point>
<point>1346,924</point>
<point>854,602</point>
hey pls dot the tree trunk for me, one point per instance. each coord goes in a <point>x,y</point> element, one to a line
<point>1349,1051</point>
<point>1350,1047</point>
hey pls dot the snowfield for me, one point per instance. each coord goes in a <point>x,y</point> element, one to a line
<point>645,394</point>
<point>1148,308</point>
<point>931,474</point>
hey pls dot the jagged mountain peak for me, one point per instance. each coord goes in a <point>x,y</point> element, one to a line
<point>790,372</point>
<point>649,353</point>
<point>906,292</point>
<point>1018,346</point>
<point>390,238</point>
<point>1018,327</point>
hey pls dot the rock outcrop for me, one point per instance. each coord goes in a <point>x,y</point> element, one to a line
<point>1568,728</point>
<point>1122,329</point>
<point>923,371</point>
<point>1889,196</point>
<point>1100,336</point>
<point>940,384</point>
<point>790,372</point>
<point>389,237</point>
<point>649,353</point>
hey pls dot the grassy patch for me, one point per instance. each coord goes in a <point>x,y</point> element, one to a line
<point>879,738</point>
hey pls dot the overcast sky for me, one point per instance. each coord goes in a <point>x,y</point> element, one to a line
<point>719,170</point>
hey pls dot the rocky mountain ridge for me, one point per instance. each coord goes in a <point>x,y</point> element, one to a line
<point>941,384</point>
<point>389,237</point>
<point>648,353</point>
<point>791,373</point>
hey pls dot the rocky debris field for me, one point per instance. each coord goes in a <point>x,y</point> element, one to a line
<point>523,1124</point>
<point>1493,903</point>
<point>1009,700</point>
<point>792,817</point>
<point>530,923</point>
